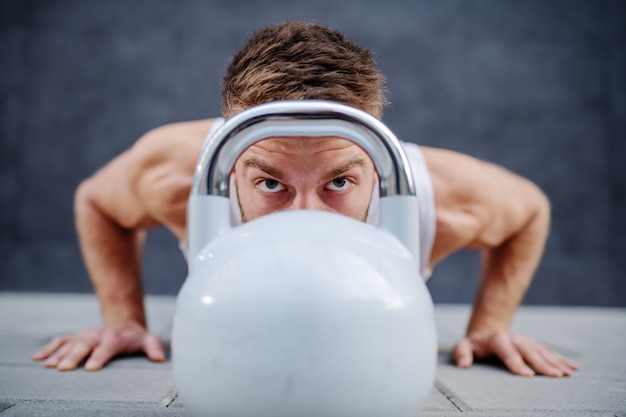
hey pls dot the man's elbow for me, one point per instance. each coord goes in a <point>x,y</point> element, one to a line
<point>542,207</point>
<point>83,199</point>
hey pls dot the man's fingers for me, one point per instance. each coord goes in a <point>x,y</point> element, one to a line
<point>463,353</point>
<point>116,342</point>
<point>53,360</point>
<point>99,346</point>
<point>521,354</point>
<point>154,348</point>
<point>572,364</point>
<point>50,348</point>
<point>103,353</point>
<point>79,351</point>
<point>504,348</point>
<point>538,361</point>
<point>560,361</point>
<point>556,360</point>
<point>541,359</point>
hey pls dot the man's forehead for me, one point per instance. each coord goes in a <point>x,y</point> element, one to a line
<point>306,145</point>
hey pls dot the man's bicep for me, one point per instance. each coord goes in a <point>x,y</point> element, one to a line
<point>162,190</point>
<point>112,191</point>
<point>512,202</point>
<point>149,184</point>
<point>497,201</point>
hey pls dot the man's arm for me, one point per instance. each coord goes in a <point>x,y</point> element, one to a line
<point>486,207</point>
<point>145,186</point>
<point>507,271</point>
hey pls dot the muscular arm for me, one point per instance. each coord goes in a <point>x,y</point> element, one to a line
<point>485,207</point>
<point>144,187</point>
<point>111,239</point>
<point>510,263</point>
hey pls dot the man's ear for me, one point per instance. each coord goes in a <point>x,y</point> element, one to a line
<point>233,175</point>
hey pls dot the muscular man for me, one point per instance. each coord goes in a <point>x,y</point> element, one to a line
<point>467,203</point>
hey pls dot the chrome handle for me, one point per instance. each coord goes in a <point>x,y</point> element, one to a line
<point>296,119</point>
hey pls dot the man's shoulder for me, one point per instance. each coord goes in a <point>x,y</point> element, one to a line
<point>179,131</point>
<point>173,140</point>
<point>445,160</point>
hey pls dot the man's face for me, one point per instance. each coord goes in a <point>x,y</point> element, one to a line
<point>312,173</point>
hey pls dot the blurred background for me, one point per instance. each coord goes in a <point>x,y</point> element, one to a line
<point>536,86</point>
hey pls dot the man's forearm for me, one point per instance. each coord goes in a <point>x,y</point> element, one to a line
<point>112,256</point>
<point>497,299</point>
<point>507,272</point>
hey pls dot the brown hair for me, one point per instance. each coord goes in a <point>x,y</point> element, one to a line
<point>301,61</point>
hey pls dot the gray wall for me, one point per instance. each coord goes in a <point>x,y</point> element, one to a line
<point>537,86</point>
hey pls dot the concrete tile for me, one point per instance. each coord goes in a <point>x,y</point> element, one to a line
<point>89,408</point>
<point>438,401</point>
<point>500,391</point>
<point>523,413</point>
<point>583,331</point>
<point>39,314</point>
<point>20,350</point>
<point>592,336</point>
<point>33,319</point>
<point>451,320</point>
<point>42,314</point>
<point>134,385</point>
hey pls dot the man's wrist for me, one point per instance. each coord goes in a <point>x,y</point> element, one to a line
<point>483,323</point>
<point>124,317</point>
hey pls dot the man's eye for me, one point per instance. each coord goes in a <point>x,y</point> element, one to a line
<point>339,184</point>
<point>270,186</point>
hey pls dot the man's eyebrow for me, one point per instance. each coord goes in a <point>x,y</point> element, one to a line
<point>252,162</point>
<point>337,172</point>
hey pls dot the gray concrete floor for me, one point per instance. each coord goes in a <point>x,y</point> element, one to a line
<point>596,337</point>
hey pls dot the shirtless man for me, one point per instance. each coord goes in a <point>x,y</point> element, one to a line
<point>474,204</point>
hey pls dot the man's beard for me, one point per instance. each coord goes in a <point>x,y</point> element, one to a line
<point>244,218</point>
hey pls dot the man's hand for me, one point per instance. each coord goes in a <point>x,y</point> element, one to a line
<point>522,355</point>
<point>99,346</point>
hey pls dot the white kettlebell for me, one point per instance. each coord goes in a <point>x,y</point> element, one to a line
<point>303,313</point>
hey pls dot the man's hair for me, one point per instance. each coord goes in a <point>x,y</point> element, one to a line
<point>302,61</point>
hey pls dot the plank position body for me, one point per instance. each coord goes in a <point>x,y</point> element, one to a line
<point>473,204</point>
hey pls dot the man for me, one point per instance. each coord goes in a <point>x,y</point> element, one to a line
<point>468,203</point>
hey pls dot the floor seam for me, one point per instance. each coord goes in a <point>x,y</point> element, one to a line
<point>169,398</point>
<point>5,406</point>
<point>452,397</point>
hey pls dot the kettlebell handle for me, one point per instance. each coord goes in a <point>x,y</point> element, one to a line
<point>209,206</point>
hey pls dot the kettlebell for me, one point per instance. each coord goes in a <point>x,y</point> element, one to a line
<point>303,313</point>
